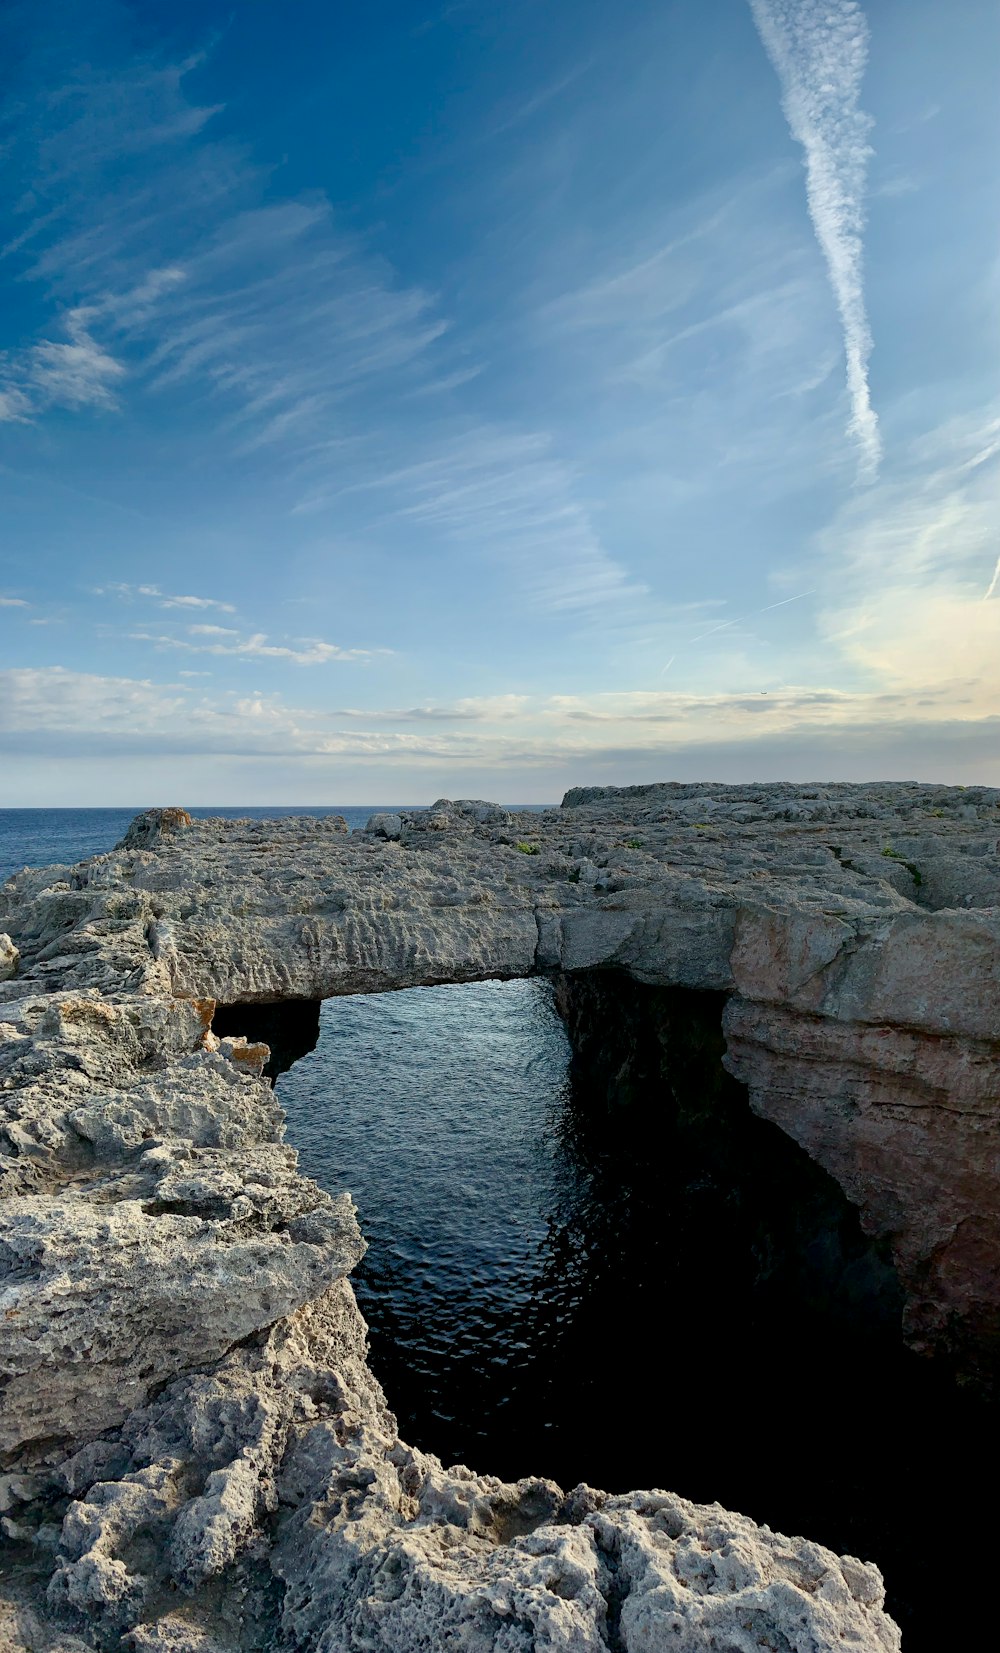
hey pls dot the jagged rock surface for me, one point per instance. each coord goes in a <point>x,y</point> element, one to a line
<point>855,928</point>
<point>196,1455</point>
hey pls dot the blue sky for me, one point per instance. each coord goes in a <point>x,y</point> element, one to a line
<point>408,399</point>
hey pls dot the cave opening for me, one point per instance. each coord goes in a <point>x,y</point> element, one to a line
<point>590,1260</point>
<point>289,1027</point>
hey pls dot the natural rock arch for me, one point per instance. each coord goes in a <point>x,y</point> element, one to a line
<point>184,1382</point>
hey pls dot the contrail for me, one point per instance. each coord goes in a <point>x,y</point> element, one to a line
<point>785,600</point>
<point>724,624</point>
<point>993,583</point>
<point>819,48</point>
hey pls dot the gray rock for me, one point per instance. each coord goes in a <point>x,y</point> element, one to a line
<point>384,825</point>
<point>198,1454</point>
<point>153,825</point>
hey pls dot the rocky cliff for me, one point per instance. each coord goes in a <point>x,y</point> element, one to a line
<point>195,1452</point>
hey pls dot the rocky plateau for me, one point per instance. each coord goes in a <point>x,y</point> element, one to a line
<point>194,1453</point>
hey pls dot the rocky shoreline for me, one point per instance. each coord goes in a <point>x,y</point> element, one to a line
<point>195,1452</point>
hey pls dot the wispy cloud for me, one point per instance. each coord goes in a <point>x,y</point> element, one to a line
<point>73,373</point>
<point>197,602</point>
<point>282,334</point>
<point>819,49</point>
<point>711,362</point>
<point>172,270</point>
<point>648,286</point>
<point>902,567</point>
<point>50,711</point>
<point>644,363</point>
<point>301,651</point>
<point>509,494</point>
<point>15,406</point>
<point>13,602</point>
<point>162,599</point>
<point>475,709</point>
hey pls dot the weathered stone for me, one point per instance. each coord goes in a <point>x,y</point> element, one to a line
<point>9,956</point>
<point>385,825</point>
<point>155,824</point>
<point>161,1266</point>
<point>197,1455</point>
<point>783,896</point>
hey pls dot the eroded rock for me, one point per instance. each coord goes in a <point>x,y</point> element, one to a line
<point>196,1453</point>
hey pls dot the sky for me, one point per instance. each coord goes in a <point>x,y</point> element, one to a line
<point>413,399</point>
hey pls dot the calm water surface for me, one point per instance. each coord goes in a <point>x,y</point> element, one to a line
<point>439,1109</point>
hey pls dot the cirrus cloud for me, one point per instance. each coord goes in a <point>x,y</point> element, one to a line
<point>302,651</point>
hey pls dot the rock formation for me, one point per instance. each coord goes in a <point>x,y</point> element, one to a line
<point>195,1454</point>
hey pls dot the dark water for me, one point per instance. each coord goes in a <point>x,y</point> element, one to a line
<point>440,1108</point>
<point>546,1295</point>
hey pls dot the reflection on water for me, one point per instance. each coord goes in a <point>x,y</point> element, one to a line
<point>549,1294</point>
<point>440,1109</point>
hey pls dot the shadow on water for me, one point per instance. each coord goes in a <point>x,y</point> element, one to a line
<point>607,1269</point>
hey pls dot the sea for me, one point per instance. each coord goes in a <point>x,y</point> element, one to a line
<point>546,1296</point>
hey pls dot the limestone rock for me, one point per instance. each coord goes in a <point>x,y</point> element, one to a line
<point>153,825</point>
<point>9,956</point>
<point>802,898</point>
<point>197,1454</point>
<point>161,1267</point>
<point>385,825</point>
